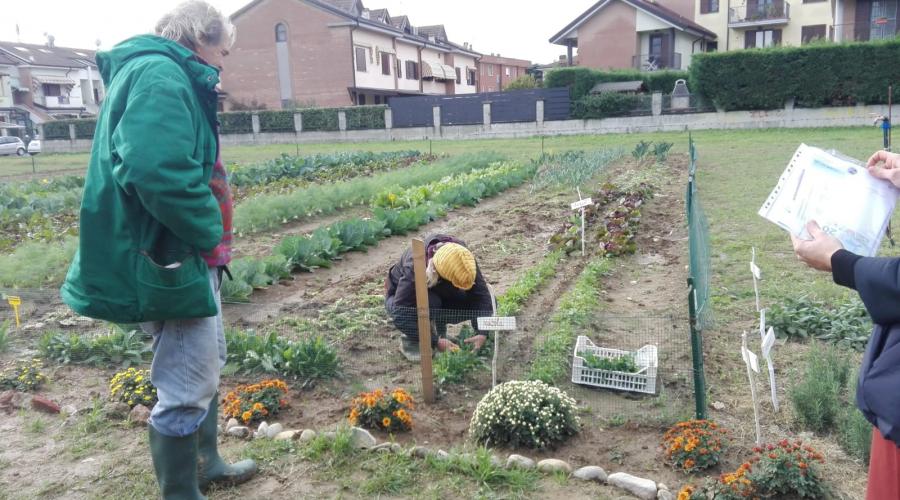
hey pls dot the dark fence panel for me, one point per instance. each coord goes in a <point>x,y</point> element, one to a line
<point>506,107</point>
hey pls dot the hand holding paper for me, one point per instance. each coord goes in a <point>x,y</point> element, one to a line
<point>816,253</point>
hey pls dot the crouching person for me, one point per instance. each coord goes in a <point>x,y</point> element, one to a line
<point>156,233</point>
<point>457,292</point>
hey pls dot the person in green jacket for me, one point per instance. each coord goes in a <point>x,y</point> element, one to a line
<point>155,232</point>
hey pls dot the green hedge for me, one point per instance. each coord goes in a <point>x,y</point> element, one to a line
<point>365,117</point>
<point>611,104</point>
<point>56,130</point>
<point>816,75</point>
<point>581,80</point>
<point>319,119</point>
<point>239,122</point>
<point>276,121</point>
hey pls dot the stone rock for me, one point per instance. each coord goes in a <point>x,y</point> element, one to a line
<point>644,489</point>
<point>665,495</point>
<point>420,452</point>
<point>287,435</point>
<point>442,455</point>
<point>274,430</point>
<point>661,486</point>
<point>496,461</point>
<point>519,462</point>
<point>262,430</point>
<point>396,447</point>
<point>382,446</point>
<point>140,414</point>
<point>307,435</point>
<point>718,405</point>
<point>116,411</point>
<point>591,473</point>
<point>69,410</point>
<point>361,438</point>
<point>556,465</point>
<point>232,422</point>
<point>239,431</point>
<point>40,403</point>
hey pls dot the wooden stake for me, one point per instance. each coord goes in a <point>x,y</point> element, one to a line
<point>418,252</point>
<point>752,389</point>
<point>582,221</point>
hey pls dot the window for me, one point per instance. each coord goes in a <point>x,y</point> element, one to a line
<point>709,6</point>
<point>883,20</point>
<point>810,33</point>
<point>458,76</point>
<point>361,55</point>
<point>51,90</point>
<point>490,68</point>
<point>507,71</point>
<point>762,39</point>
<point>470,80</point>
<point>280,32</point>
<point>378,99</point>
<point>712,46</point>
<point>385,63</point>
<point>362,99</point>
<point>412,70</point>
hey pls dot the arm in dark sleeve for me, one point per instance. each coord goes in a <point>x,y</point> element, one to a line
<point>480,295</point>
<point>877,279</point>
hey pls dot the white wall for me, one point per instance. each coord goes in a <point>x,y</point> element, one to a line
<point>407,52</point>
<point>646,22</point>
<point>6,100</point>
<point>684,45</point>
<point>465,63</point>
<point>374,44</point>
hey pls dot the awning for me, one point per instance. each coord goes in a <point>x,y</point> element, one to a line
<point>438,71</point>
<point>51,80</point>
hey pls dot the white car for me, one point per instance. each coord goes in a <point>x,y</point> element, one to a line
<point>34,147</point>
<point>12,146</point>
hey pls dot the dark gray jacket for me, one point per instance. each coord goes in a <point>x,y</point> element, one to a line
<point>877,280</point>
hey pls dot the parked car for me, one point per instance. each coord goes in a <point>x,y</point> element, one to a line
<point>34,147</point>
<point>12,146</point>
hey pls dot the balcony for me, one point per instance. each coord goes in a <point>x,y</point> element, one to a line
<point>653,62</point>
<point>755,14</point>
<point>882,28</point>
<point>57,102</point>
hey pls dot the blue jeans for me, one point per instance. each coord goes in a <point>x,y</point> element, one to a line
<point>188,355</point>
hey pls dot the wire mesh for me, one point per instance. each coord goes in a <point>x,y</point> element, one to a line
<point>698,243</point>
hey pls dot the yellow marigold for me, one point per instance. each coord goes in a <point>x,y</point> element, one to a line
<point>386,422</point>
<point>258,406</point>
<point>247,416</point>
<point>689,463</point>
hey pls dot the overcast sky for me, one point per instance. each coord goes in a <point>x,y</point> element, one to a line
<point>510,27</point>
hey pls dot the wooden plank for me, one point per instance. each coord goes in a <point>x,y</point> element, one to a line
<point>418,251</point>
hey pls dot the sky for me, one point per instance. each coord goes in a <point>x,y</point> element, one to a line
<point>511,28</point>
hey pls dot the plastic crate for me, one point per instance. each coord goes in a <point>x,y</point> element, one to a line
<point>643,381</point>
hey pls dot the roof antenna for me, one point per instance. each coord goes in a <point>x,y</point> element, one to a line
<point>50,40</point>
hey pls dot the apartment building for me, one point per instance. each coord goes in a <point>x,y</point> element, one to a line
<point>497,72</point>
<point>43,82</point>
<point>338,53</point>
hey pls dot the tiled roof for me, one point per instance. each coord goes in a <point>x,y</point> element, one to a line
<point>42,55</point>
<point>398,21</point>
<point>344,5</point>
<point>378,14</point>
<point>437,31</point>
<point>4,59</point>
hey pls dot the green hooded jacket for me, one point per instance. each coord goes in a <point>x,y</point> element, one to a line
<point>147,209</point>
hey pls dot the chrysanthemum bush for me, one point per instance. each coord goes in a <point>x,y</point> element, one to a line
<point>389,411</point>
<point>254,402</point>
<point>529,414</point>
<point>133,388</point>
<point>788,469</point>
<point>694,445</point>
<point>25,376</point>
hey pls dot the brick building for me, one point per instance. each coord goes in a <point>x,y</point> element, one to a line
<point>497,72</point>
<point>338,53</point>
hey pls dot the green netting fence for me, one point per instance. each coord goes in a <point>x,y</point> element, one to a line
<point>698,279</point>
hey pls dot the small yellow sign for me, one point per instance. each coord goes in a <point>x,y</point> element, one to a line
<point>15,302</point>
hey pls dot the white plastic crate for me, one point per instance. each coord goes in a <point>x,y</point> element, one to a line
<point>643,381</point>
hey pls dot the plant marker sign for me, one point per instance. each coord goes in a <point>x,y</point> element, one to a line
<point>15,302</point>
<point>580,205</point>
<point>757,275</point>
<point>768,342</point>
<point>496,324</point>
<point>752,366</point>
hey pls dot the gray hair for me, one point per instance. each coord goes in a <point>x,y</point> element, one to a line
<point>196,23</point>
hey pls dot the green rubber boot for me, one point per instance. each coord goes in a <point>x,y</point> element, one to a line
<point>175,463</point>
<point>212,469</point>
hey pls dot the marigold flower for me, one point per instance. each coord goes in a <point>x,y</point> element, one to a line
<point>386,422</point>
<point>773,456</point>
<point>247,416</point>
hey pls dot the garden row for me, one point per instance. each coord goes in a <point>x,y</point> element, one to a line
<point>394,212</point>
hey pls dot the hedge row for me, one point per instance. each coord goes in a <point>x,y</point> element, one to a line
<point>59,129</point>
<point>815,75</point>
<point>581,80</point>
<point>611,104</point>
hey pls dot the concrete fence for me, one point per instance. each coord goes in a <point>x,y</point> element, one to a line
<point>658,121</point>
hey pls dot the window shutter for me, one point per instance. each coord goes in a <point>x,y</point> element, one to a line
<point>862,29</point>
<point>399,68</point>
<point>704,6</point>
<point>776,37</point>
<point>749,39</point>
<point>385,63</point>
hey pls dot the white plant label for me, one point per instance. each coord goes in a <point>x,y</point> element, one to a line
<point>750,358</point>
<point>762,323</point>
<point>497,323</point>
<point>755,270</point>
<point>768,342</point>
<point>752,365</point>
<point>582,203</point>
<point>757,275</point>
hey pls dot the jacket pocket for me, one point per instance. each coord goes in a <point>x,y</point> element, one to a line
<point>174,291</point>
